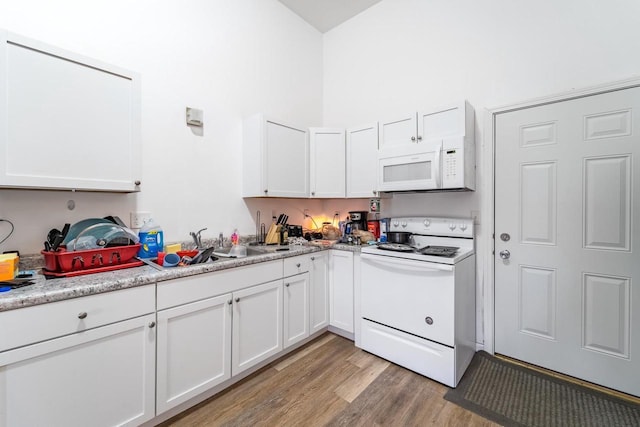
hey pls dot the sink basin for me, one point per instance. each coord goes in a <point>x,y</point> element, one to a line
<point>226,252</point>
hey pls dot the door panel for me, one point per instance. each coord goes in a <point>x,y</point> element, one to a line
<point>567,193</point>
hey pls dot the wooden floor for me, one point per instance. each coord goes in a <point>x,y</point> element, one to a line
<point>330,382</point>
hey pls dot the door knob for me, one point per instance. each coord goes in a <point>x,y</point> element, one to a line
<point>505,254</point>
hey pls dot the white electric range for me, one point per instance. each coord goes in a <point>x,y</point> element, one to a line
<point>418,300</point>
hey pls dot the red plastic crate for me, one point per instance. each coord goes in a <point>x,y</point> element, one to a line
<point>64,261</point>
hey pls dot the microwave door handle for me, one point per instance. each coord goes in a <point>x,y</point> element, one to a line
<point>404,264</point>
<point>437,163</point>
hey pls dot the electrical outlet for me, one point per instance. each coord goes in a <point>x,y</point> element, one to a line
<point>337,213</point>
<point>475,215</point>
<point>137,219</point>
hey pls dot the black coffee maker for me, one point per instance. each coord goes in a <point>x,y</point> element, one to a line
<point>358,220</point>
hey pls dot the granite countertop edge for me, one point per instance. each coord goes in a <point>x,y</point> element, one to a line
<point>54,290</point>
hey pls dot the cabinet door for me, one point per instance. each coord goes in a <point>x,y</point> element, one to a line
<point>257,325</point>
<point>319,292</point>
<point>362,158</point>
<point>99,377</point>
<point>341,289</point>
<point>194,350</point>
<point>296,309</point>
<point>400,131</point>
<point>327,162</point>
<point>286,172</point>
<point>81,117</point>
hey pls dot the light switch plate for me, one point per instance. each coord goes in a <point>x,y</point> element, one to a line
<point>195,117</point>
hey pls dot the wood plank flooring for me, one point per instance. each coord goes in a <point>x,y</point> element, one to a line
<point>330,382</point>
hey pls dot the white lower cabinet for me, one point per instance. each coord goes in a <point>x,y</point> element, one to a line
<point>194,349</point>
<point>341,290</point>
<point>257,325</point>
<point>98,377</point>
<point>296,309</point>
<point>319,291</point>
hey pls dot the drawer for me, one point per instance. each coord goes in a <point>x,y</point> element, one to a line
<point>189,289</point>
<point>296,265</point>
<point>29,325</point>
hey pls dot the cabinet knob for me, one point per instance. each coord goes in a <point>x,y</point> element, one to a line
<point>137,182</point>
<point>313,193</point>
<point>313,258</point>
<point>82,315</point>
<point>266,191</point>
<point>298,265</point>
<point>152,324</point>
<point>413,138</point>
<point>229,302</point>
<point>419,137</point>
<point>237,299</point>
<point>429,320</point>
<point>374,191</point>
<point>286,284</point>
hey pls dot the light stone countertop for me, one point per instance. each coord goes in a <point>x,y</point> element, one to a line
<point>52,290</point>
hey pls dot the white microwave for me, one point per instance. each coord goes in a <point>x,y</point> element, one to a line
<point>444,164</point>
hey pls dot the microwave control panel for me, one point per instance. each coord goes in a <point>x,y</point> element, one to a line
<point>453,168</point>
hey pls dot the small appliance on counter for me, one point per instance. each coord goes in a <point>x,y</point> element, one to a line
<point>358,220</point>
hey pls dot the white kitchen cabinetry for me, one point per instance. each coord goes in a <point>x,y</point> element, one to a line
<point>296,309</point>
<point>362,161</point>
<point>275,159</point>
<point>101,373</point>
<point>319,291</point>
<point>327,162</point>
<point>257,325</point>
<point>194,349</point>
<point>68,121</point>
<point>341,291</point>
<point>413,129</point>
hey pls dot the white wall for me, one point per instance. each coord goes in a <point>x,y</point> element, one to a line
<point>404,55</point>
<point>230,58</point>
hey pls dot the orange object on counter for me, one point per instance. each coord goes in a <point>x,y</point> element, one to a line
<point>9,266</point>
<point>373,226</point>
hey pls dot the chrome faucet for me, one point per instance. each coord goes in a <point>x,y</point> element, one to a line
<point>197,239</point>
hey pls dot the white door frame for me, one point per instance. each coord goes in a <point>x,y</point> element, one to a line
<point>488,174</point>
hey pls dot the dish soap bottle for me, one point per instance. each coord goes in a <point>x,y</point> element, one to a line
<point>151,239</point>
<point>234,237</point>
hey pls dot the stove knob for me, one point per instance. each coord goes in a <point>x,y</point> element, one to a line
<point>452,226</point>
<point>404,224</point>
<point>426,222</point>
<point>396,223</point>
<point>463,226</point>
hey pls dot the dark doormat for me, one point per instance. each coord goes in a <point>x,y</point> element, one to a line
<point>512,395</point>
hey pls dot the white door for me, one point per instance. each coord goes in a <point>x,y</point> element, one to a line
<point>257,325</point>
<point>319,292</point>
<point>99,377</point>
<point>362,161</point>
<point>399,131</point>
<point>286,172</point>
<point>341,289</point>
<point>194,350</point>
<point>566,195</point>
<point>327,162</point>
<point>296,309</point>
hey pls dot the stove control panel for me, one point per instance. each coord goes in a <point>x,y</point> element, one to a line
<point>452,227</point>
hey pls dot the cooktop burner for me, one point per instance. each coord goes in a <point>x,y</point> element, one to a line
<point>447,251</point>
<point>397,247</point>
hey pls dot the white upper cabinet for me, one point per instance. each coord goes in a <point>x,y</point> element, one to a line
<point>67,121</point>
<point>327,162</point>
<point>275,159</point>
<point>407,133</point>
<point>362,157</point>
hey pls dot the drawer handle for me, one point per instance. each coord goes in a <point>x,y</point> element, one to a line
<point>237,299</point>
<point>229,302</point>
<point>286,284</point>
<point>82,315</point>
<point>152,324</point>
<point>298,265</point>
<point>429,320</point>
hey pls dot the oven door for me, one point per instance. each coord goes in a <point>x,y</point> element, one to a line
<point>409,171</point>
<point>413,296</point>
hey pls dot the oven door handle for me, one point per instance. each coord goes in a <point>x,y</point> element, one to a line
<point>405,263</point>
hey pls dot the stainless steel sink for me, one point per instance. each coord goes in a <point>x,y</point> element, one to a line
<point>251,251</point>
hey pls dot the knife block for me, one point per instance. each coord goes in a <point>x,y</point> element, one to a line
<point>273,236</point>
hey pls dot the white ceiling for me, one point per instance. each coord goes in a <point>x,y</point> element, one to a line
<point>326,14</point>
